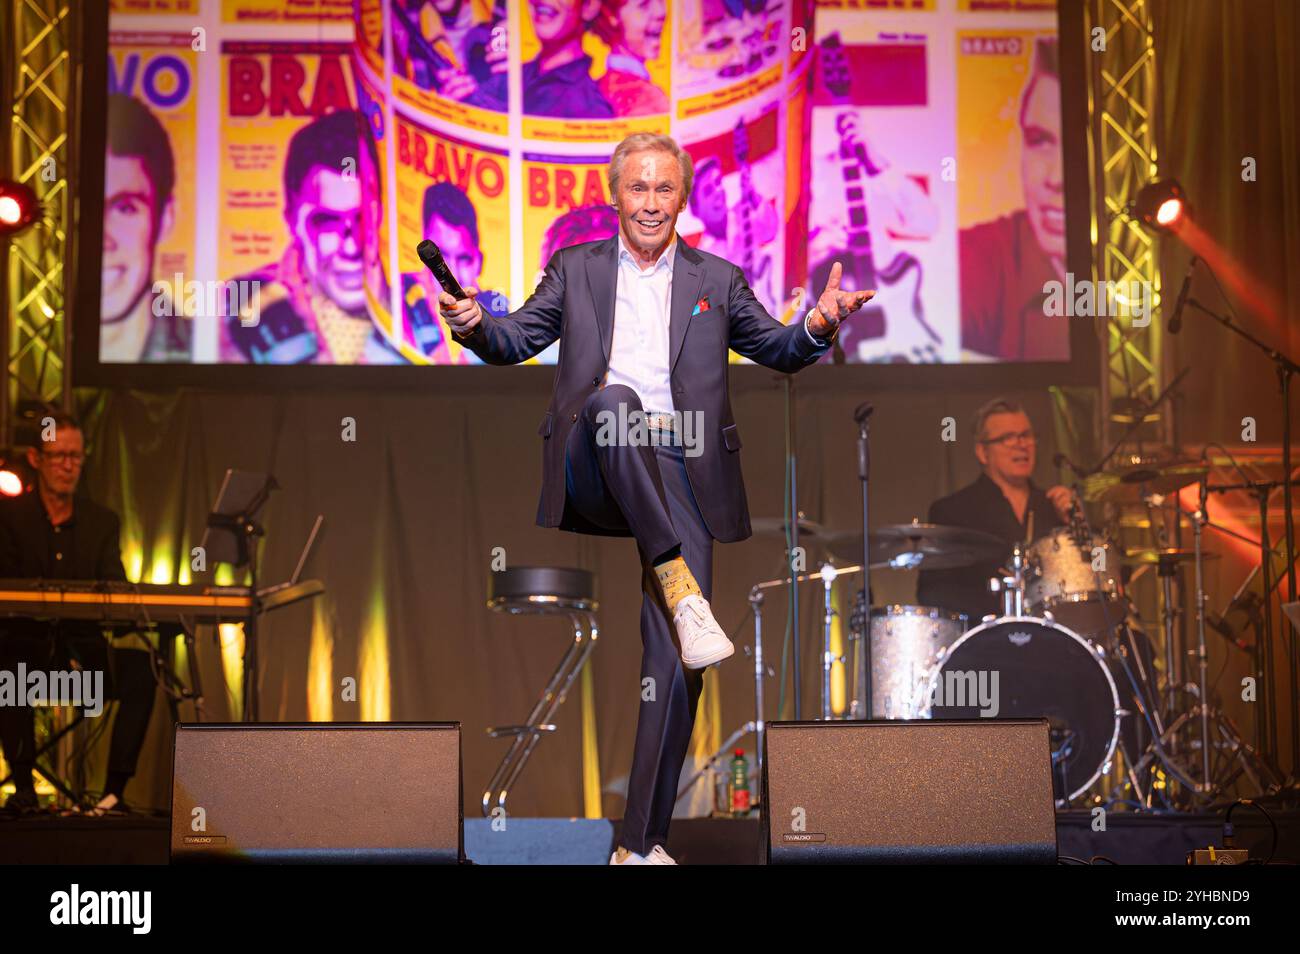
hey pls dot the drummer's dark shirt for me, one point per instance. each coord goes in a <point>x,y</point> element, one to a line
<point>982,506</point>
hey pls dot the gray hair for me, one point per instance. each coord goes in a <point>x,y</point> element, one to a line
<point>644,142</point>
<point>999,405</point>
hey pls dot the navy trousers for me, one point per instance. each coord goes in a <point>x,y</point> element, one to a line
<point>645,489</point>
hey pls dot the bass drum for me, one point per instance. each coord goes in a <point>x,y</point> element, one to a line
<point>1029,668</point>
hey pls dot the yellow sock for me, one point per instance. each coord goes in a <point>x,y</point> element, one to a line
<point>677,582</point>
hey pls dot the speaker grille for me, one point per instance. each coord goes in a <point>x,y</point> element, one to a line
<point>978,791</point>
<point>322,792</point>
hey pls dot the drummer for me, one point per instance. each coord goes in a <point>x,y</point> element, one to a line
<point>1003,501</point>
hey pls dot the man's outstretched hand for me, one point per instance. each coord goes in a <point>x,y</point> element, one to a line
<point>461,315</point>
<point>835,305</point>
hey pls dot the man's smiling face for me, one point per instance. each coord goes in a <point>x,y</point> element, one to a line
<point>561,20</point>
<point>643,26</point>
<point>1040,165</point>
<point>651,195</point>
<point>131,231</point>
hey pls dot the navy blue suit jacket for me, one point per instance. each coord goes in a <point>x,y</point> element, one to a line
<point>574,302</point>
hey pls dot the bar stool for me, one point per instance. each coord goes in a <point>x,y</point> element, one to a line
<point>545,591</point>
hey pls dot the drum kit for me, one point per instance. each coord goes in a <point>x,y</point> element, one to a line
<point>1068,646</point>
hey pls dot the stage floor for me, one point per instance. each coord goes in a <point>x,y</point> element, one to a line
<point>1129,839</point>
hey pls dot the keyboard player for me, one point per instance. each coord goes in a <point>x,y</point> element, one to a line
<point>52,533</point>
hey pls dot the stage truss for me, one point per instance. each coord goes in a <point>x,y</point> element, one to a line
<point>38,84</point>
<point>1122,154</point>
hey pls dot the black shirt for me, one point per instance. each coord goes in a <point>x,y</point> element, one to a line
<point>85,547</point>
<point>982,506</point>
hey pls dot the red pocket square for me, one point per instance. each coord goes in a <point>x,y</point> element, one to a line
<point>701,305</point>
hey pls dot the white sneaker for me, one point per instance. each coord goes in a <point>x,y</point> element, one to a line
<point>702,640</point>
<point>631,858</point>
<point>658,856</point>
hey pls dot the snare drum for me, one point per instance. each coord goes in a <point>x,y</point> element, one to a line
<point>906,643</point>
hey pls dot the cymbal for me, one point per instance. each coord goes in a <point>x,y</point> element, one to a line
<point>1135,479</point>
<point>776,527</point>
<point>928,546</point>
<point>1150,555</point>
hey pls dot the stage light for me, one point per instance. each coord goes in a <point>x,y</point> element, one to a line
<point>11,485</point>
<point>15,474</point>
<point>1161,205</point>
<point>19,207</point>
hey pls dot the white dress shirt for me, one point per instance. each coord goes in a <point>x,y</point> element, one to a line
<point>638,354</point>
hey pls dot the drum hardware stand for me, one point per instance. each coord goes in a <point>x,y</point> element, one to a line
<point>1122,648</point>
<point>1225,733</point>
<point>1243,600</point>
<point>1129,656</point>
<point>1264,669</point>
<point>1285,369</point>
<point>1126,649</point>
<point>1012,584</point>
<point>1202,660</point>
<point>1169,613</point>
<point>828,574</point>
<point>1144,686</point>
<point>1062,740</point>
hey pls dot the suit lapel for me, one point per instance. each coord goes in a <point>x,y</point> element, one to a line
<point>688,276</point>
<point>602,273</point>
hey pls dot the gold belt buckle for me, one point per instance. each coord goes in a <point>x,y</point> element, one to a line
<point>660,421</point>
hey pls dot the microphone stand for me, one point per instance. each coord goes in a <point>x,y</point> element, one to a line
<point>1285,368</point>
<point>863,416</point>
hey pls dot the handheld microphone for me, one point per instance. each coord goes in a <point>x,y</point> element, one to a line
<point>1175,323</point>
<point>434,262</point>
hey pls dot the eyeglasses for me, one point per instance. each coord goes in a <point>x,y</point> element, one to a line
<point>64,457</point>
<point>1010,438</point>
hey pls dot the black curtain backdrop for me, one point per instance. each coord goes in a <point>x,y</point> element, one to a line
<point>1229,89</point>
<point>413,509</point>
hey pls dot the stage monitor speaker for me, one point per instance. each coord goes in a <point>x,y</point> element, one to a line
<point>922,792</point>
<point>349,793</point>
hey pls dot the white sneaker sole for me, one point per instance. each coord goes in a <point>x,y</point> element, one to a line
<point>712,659</point>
